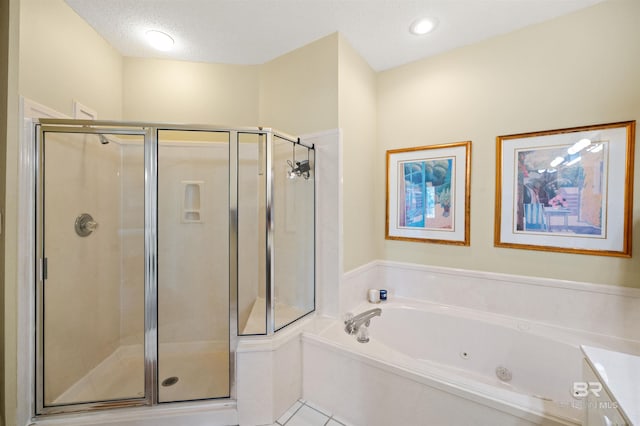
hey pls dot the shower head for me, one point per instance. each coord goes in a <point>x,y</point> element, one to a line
<point>103,139</point>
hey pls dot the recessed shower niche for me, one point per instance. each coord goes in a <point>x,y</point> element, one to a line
<point>191,211</point>
<point>198,236</point>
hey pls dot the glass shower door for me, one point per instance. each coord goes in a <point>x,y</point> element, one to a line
<point>91,288</point>
<point>193,265</point>
<point>294,232</point>
<point>252,235</point>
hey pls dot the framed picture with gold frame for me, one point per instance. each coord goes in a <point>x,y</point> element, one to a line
<point>567,190</point>
<point>428,194</point>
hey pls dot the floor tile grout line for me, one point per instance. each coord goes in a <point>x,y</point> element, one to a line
<point>302,404</point>
<point>324,414</point>
<point>294,413</point>
<point>334,419</point>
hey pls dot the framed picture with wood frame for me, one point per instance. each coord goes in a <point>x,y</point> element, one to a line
<point>567,190</point>
<point>428,194</point>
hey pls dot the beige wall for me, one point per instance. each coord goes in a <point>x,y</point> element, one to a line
<point>299,90</point>
<point>576,70</point>
<point>295,93</point>
<point>80,65</point>
<point>189,92</point>
<point>357,119</point>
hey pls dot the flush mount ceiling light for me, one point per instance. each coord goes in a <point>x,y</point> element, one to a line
<point>159,40</point>
<point>423,26</point>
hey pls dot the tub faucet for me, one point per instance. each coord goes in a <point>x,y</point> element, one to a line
<point>357,324</point>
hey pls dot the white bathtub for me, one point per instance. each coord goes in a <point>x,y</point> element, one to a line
<point>436,365</point>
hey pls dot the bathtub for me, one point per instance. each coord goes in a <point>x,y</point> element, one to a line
<point>429,364</point>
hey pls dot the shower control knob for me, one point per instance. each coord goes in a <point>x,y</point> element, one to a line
<point>85,225</point>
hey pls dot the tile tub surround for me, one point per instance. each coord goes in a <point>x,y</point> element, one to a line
<point>269,373</point>
<point>602,309</point>
<point>382,396</point>
<point>329,223</point>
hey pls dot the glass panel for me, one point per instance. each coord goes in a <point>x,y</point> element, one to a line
<point>252,243</point>
<point>293,210</point>
<point>93,232</point>
<point>193,265</point>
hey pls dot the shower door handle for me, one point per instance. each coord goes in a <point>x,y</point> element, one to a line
<point>43,269</point>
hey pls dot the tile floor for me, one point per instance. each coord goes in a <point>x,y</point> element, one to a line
<point>304,413</point>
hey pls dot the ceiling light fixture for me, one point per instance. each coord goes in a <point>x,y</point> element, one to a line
<point>159,40</point>
<point>423,26</point>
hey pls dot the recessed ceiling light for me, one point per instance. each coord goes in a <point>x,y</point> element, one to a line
<point>159,40</point>
<point>423,26</point>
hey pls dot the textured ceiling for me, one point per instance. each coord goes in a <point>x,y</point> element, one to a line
<point>256,31</point>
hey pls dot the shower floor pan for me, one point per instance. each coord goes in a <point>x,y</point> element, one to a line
<point>201,369</point>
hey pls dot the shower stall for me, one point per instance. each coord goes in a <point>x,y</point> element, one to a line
<point>157,246</point>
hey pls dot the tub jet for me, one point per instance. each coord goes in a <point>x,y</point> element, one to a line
<point>504,374</point>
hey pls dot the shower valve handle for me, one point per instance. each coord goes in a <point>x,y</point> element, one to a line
<point>85,225</point>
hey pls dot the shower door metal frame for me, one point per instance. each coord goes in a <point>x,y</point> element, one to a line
<point>150,133</point>
<point>62,126</point>
<point>269,289</point>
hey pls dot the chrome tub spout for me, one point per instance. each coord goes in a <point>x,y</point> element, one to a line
<point>352,325</point>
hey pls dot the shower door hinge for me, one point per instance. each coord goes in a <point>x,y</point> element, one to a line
<point>43,269</point>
